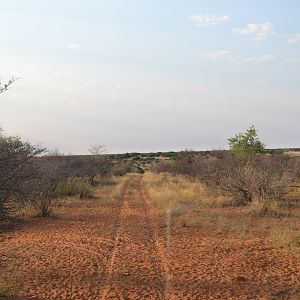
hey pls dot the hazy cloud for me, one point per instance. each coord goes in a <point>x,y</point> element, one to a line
<point>218,55</point>
<point>263,58</point>
<point>73,46</point>
<point>293,38</point>
<point>256,31</point>
<point>227,55</point>
<point>208,20</point>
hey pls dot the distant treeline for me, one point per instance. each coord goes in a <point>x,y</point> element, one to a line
<point>173,154</point>
<point>170,154</point>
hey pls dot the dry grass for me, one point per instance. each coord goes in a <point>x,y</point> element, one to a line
<point>134,188</point>
<point>194,205</point>
<point>283,233</point>
<point>31,210</point>
<point>222,222</point>
<point>6,289</point>
<point>269,208</point>
<point>292,153</point>
<point>236,227</point>
<point>287,238</point>
<point>293,198</point>
<point>108,194</point>
<point>180,194</point>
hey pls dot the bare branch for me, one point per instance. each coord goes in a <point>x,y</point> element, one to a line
<point>5,86</point>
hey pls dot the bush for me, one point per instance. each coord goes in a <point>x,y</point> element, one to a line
<point>74,186</point>
<point>122,168</point>
<point>246,143</point>
<point>49,174</point>
<point>42,206</point>
<point>42,200</point>
<point>164,166</point>
<point>16,170</point>
<point>186,164</point>
<point>264,178</point>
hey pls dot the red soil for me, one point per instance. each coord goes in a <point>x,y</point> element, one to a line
<point>122,252</point>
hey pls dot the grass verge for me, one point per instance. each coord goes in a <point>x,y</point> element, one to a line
<point>6,289</point>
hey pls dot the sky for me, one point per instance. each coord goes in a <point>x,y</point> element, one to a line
<point>150,75</point>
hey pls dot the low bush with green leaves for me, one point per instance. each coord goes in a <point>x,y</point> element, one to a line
<point>74,186</point>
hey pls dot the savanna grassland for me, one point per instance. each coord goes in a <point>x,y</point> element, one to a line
<point>152,236</point>
<point>188,225</point>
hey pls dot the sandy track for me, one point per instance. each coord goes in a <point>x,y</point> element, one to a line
<point>160,241</point>
<point>136,270</point>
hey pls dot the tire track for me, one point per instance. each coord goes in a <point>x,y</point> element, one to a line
<point>161,249</point>
<point>124,204</point>
<point>137,266</point>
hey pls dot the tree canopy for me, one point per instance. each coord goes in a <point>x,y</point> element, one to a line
<point>246,143</point>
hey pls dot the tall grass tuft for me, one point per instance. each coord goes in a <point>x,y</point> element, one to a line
<point>268,208</point>
<point>169,192</point>
<point>286,238</point>
<point>74,186</point>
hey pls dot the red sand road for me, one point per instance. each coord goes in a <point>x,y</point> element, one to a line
<point>97,251</point>
<point>135,270</point>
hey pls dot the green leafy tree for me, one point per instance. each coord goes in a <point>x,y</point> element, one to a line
<point>246,143</point>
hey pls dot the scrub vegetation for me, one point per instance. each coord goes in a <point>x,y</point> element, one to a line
<point>180,215</point>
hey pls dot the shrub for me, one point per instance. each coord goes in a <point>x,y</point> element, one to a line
<point>263,178</point>
<point>45,194</point>
<point>246,143</point>
<point>74,186</point>
<point>98,164</point>
<point>48,174</point>
<point>16,169</point>
<point>42,206</point>
<point>164,166</point>
<point>186,164</point>
<point>122,168</point>
<point>260,177</point>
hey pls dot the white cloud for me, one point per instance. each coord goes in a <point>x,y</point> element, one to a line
<point>227,55</point>
<point>293,38</point>
<point>256,31</point>
<point>73,46</point>
<point>264,58</point>
<point>218,55</point>
<point>208,20</point>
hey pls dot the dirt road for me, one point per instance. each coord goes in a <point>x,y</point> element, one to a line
<point>138,267</point>
<point>125,250</point>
